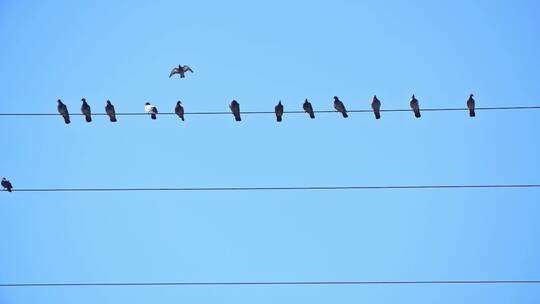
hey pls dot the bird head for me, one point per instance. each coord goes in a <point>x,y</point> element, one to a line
<point>59,101</point>
<point>413,97</point>
<point>336,98</point>
<point>179,102</point>
<point>374,96</point>
<point>3,178</point>
<point>108,102</point>
<point>83,99</point>
<point>472,95</point>
<point>180,66</point>
<point>147,104</point>
<point>305,100</point>
<point>279,103</point>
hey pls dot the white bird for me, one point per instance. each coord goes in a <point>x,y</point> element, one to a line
<point>151,109</point>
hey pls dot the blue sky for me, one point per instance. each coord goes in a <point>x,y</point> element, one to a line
<point>258,53</point>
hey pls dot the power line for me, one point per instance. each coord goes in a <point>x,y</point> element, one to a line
<point>445,282</point>
<point>286,112</point>
<point>305,188</point>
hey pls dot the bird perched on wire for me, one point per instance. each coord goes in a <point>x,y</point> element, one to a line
<point>415,107</point>
<point>85,109</point>
<point>179,110</point>
<point>376,106</point>
<point>6,184</point>
<point>308,108</point>
<point>235,109</point>
<point>181,70</point>
<point>109,109</point>
<point>150,109</point>
<point>62,109</point>
<point>340,107</point>
<point>471,105</point>
<point>279,111</point>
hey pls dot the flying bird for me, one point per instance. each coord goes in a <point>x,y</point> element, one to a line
<point>6,184</point>
<point>471,106</point>
<point>376,106</point>
<point>279,111</point>
<point>181,70</point>
<point>179,110</point>
<point>62,109</point>
<point>415,106</point>
<point>109,109</point>
<point>150,109</point>
<point>308,109</point>
<point>235,109</point>
<point>340,107</point>
<point>85,109</point>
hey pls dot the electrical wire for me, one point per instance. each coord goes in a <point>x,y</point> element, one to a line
<point>305,188</point>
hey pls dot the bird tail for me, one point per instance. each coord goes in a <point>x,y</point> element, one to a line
<point>113,118</point>
<point>88,118</point>
<point>417,114</point>
<point>237,117</point>
<point>312,115</point>
<point>278,118</point>
<point>153,116</point>
<point>66,119</point>
<point>182,118</point>
<point>9,189</point>
<point>345,115</point>
<point>472,113</point>
<point>377,115</point>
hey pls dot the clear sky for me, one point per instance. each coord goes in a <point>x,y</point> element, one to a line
<point>258,53</point>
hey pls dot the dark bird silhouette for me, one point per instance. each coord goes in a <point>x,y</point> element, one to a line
<point>85,109</point>
<point>279,111</point>
<point>109,109</point>
<point>340,107</point>
<point>415,106</point>
<point>6,184</point>
<point>62,109</point>
<point>150,109</point>
<point>235,109</point>
<point>308,108</point>
<point>471,105</point>
<point>376,106</point>
<point>181,70</point>
<point>179,110</point>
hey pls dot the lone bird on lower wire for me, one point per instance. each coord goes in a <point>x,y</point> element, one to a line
<point>109,109</point>
<point>150,109</point>
<point>235,109</point>
<point>85,109</point>
<point>279,111</point>
<point>376,106</point>
<point>181,70</point>
<point>471,106</point>
<point>179,110</point>
<point>415,107</point>
<point>308,108</point>
<point>63,110</point>
<point>340,107</point>
<point>6,184</point>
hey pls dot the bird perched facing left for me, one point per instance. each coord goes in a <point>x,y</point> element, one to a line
<point>109,109</point>
<point>179,110</point>
<point>85,109</point>
<point>235,109</point>
<point>415,106</point>
<point>63,110</point>
<point>6,184</point>
<point>308,108</point>
<point>150,109</point>
<point>181,70</point>
<point>340,107</point>
<point>471,105</point>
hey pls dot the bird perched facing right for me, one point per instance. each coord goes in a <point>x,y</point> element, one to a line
<point>279,111</point>
<point>62,109</point>
<point>179,110</point>
<point>150,109</point>
<point>340,107</point>
<point>85,109</point>
<point>415,107</point>
<point>235,109</point>
<point>109,109</point>
<point>376,106</point>
<point>308,108</point>
<point>181,70</point>
<point>471,105</point>
<point>6,184</point>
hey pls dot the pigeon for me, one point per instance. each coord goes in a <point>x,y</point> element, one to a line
<point>415,106</point>
<point>279,111</point>
<point>235,109</point>
<point>85,109</point>
<point>62,109</point>
<point>471,105</point>
<point>6,184</point>
<point>150,109</point>
<point>181,70</point>
<point>179,110</point>
<point>308,109</point>
<point>376,106</point>
<point>109,108</point>
<point>340,107</point>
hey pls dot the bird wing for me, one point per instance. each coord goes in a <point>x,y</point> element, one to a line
<point>174,71</point>
<point>187,68</point>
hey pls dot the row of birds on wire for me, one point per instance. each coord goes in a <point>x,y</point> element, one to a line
<point>234,106</point>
